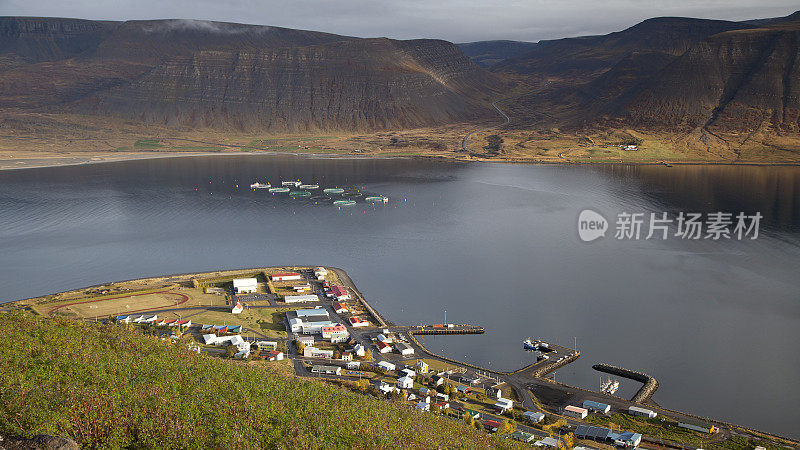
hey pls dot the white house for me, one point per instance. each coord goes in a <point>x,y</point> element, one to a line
<point>404,349</point>
<point>643,412</point>
<point>383,347</point>
<point>386,365</point>
<point>326,370</point>
<point>382,338</point>
<point>306,340</point>
<point>547,442</point>
<point>302,287</point>
<point>408,373</point>
<point>287,276</point>
<point>354,365</point>
<point>274,355</point>
<point>296,324</point>
<point>237,308</point>
<point>320,273</point>
<point>421,366</point>
<point>385,388</point>
<point>304,298</point>
<point>533,417</point>
<point>245,285</point>
<point>335,333</point>
<point>313,352</point>
<point>340,308</point>
<point>503,404</point>
<point>360,350</point>
<point>210,339</point>
<point>405,382</point>
<point>575,411</point>
<point>423,406</point>
<point>309,312</point>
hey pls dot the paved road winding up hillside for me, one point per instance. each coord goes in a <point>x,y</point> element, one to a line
<point>505,116</point>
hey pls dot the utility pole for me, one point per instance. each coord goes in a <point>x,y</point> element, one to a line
<point>445,317</point>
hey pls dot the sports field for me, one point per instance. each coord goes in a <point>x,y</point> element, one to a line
<point>121,304</point>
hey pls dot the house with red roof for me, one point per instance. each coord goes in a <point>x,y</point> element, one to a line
<point>383,347</point>
<point>287,276</point>
<point>340,308</point>
<point>339,293</point>
<point>357,322</point>
<point>274,355</point>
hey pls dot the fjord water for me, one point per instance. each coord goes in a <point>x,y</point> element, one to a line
<point>717,322</point>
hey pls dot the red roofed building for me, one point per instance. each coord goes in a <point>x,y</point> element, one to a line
<point>274,355</point>
<point>491,425</point>
<point>336,333</point>
<point>357,322</point>
<point>340,293</point>
<point>383,347</point>
<point>287,276</point>
<point>340,308</point>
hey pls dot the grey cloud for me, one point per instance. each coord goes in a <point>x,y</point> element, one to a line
<point>458,21</point>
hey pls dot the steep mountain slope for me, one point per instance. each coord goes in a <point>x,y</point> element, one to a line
<point>741,80</point>
<point>584,58</point>
<point>199,73</point>
<point>737,86</point>
<point>352,84</point>
<point>489,53</point>
<point>27,40</point>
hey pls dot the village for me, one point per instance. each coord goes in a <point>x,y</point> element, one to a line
<point>313,321</point>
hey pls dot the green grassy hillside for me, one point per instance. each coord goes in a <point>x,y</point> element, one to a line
<point>108,387</point>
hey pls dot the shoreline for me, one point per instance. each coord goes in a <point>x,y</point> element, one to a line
<point>164,281</point>
<point>52,160</point>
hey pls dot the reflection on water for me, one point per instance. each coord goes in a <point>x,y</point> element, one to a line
<point>492,244</point>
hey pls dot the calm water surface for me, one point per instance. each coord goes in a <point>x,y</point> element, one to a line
<point>717,323</point>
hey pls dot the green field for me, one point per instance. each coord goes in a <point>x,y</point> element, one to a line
<point>108,387</point>
<point>147,144</point>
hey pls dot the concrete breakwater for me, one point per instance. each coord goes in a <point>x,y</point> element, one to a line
<point>644,393</point>
<point>460,329</point>
<point>544,369</point>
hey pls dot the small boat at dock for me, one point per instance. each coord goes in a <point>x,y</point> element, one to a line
<point>291,183</point>
<point>260,186</point>
<point>309,186</point>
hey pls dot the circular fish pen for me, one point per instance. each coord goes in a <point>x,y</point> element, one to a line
<point>300,194</point>
<point>309,186</point>
<point>279,189</point>
<point>333,191</point>
<point>344,202</point>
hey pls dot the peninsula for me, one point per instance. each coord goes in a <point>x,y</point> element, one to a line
<point>313,324</point>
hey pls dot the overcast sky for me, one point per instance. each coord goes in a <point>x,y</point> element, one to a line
<point>453,20</point>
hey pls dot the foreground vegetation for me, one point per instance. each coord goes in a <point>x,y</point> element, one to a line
<point>109,387</point>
